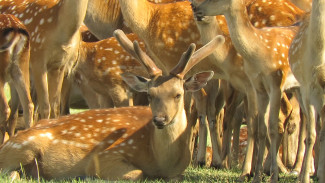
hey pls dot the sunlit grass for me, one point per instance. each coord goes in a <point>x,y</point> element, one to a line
<point>191,175</point>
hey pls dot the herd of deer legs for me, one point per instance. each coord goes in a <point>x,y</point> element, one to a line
<point>259,61</point>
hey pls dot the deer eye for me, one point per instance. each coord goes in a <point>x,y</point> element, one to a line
<point>178,96</point>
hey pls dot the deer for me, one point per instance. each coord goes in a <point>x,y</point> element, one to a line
<point>97,74</point>
<point>160,32</point>
<point>54,44</point>
<point>307,64</point>
<point>14,56</point>
<point>118,143</point>
<point>266,65</point>
<point>212,26</point>
<point>99,67</point>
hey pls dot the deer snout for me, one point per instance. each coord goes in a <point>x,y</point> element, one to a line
<point>160,121</point>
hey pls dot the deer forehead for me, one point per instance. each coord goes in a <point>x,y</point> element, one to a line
<point>166,84</point>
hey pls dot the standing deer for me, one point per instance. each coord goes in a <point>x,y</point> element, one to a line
<point>120,143</point>
<point>231,63</point>
<point>266,65</point>
<point>53,27</point>
<point>306,56</point>
<point>14,61</point>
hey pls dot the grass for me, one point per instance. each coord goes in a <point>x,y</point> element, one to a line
<point>191,175</point>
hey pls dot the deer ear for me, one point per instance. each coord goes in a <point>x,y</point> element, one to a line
<point>198,81</point>
<point>137,83</point>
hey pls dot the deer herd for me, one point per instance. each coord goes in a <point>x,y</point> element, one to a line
<point>136,66</point>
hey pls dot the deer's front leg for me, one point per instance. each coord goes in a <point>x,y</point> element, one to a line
<point>55,80</point>
<point>40,83</point>
<point>112,167</point>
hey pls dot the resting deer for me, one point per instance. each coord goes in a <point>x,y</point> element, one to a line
<point>53,27</point>
<point>306,56</point>
<point>266,65</point>
<point>119,143</point>
<point>14,61</point>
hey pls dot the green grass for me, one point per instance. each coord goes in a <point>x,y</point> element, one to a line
<point>191,175</point>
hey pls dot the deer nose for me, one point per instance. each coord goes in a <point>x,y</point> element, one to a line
<point>159,120</point>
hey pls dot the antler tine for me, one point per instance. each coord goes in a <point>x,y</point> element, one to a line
<point>150,65</point>
<point>186,63</point>
<point>135,50</point>
<point>186,56</point>
<point>125,42</point>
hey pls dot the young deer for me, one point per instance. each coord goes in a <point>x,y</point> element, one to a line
<point>14,61</point>
<point>266,65</point>
<point>99,67</point>
<point>53,28</point>
<point>120,143</point>
<point>307,61</point>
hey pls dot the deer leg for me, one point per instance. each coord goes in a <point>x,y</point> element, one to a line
<point>117,169</point>
<point>91,97</point>
<point>263,101</point>
<point>321,161</point>
<point>119,96</point>
<point>251,131</point>
<point>41,87</point>
<point>4,112</point>
<point>213,109</point>
<point>23,91</point>
<point>310,140</point>
<point>55,80</point>
<point>236,123</point>
<point>65,96</point>
<point>273,126</point>
<point>14,104</point>
<point>200,101</point>
<point>230,118</point>
<point>302,135</point>
<point>106,101</point>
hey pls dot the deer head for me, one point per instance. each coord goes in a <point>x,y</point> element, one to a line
<point>165,93</point>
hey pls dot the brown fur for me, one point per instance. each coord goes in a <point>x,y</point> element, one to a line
<point>14,55</point>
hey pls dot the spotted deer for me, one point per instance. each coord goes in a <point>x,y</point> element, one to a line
<point>266,65</point>
<point>53,27</point>
<point>99,67</point>
<point>104,16</point>
<point>306,56</point>
<point>231,62</point>
<point>14,60</point>
<point>118,143</point>
<point>170,33</point>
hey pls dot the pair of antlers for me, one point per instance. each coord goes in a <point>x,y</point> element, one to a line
<point>187,61</point>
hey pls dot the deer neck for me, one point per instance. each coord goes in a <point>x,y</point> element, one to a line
<point>316,35</point>
<point>103,17</point>
<point>171,145</point>
<point>70,17</point>
<point>137,14</point>
<point>242,33</point>
<point>210,30</point>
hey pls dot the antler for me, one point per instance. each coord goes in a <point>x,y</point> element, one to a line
<point>135,50</point>
<point>191,58</point>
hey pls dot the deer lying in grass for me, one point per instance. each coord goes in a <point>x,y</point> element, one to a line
<point>14,64</point>
<point>120,143</point>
